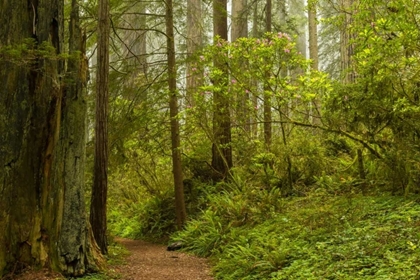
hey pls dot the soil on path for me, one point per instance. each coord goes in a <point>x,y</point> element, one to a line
<point>149,261</point>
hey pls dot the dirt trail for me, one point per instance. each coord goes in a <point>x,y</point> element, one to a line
<point>147,261</point>
<point>152,262</point>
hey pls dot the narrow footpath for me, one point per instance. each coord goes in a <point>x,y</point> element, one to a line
<point>149,261</point>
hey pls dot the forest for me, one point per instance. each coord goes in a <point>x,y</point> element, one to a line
<point>276,138</point>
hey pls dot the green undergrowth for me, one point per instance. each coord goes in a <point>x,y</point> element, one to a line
<point>116,256</point>
<point>259,235</point>
<point>152,218</point>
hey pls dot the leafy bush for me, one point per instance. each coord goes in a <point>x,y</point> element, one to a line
<point>151,219</point>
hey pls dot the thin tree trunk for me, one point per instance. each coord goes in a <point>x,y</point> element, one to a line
<point>313,35</point>
<point>221,148</point>
<point>254,97</point>
<point>194,42</point>
<point>360,164</point>
<point>313,55</point>
<point>181,214</point>
<point>267,91</point>
<point>346,48</point>
<point>100,182</point>
<point>240,30</point>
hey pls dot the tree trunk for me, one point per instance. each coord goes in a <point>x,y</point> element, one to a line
<point>194,42</point>
<point>180,210</point>
<point>346,48</point>
<point>135,47</point>
<point>313,55</point>
<point>41,148</point>
<point>313,35</point>
<point>220,19</point>
<point>100,177</point>
<point>255,33</point>
<point>239,19</point>
<point>221,148</point>
<point>267,91</point>
<point>240,30</point>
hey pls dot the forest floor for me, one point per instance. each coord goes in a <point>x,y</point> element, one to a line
<point>150,261</point>
<point>144,261</point>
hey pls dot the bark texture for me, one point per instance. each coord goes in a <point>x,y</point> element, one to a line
<point>41,147</point>
<point>181,213</point>
<point>100,177</point>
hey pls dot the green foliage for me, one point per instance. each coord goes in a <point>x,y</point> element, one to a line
<point>241,205</point>
<point>151,219</point>
<point>381,105</point>
<point>313,237</point>
<point>116,253</point>
<point>249,60</point>
<point>143,206</point>
<point>326,229</point>
<point>29,51</point>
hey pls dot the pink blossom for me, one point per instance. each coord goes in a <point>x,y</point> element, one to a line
<point>233,81</point>
<point>286,50</point>
<point>194,69</point>
<point>201,57</point>
<point>247,91</point>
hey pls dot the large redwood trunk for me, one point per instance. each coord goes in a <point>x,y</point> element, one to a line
<point>42,217</point>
